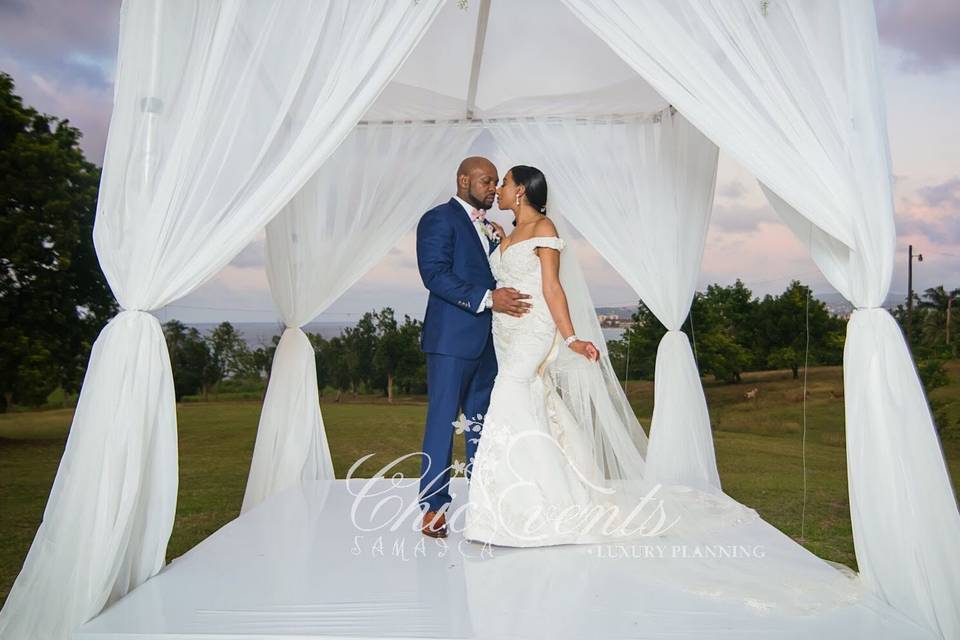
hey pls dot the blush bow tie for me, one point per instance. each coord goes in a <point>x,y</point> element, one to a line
<point>478,214</point>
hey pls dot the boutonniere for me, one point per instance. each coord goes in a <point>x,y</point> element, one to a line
<point>489,231</point>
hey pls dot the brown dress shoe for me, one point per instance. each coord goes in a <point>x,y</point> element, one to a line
<point>434,525</point>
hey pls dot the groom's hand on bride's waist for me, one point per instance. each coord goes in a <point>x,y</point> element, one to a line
<point>509,300</point>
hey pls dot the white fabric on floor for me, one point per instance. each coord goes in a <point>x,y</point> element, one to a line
<point>344,220</point>
<point>641,191</point>
<point>222,111</point>
<point>318,561</point>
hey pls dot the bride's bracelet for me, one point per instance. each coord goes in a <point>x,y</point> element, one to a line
<point>570,340</point>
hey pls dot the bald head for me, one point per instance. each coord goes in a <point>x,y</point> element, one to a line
<point>477,181</point>
<point>468,165</point>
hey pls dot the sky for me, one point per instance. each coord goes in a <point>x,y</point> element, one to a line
<point>62,56</point>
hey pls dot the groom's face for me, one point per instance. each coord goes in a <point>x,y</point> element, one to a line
<point>481,181</point>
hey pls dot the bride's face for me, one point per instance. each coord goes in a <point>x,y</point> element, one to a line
<point>507,192</point>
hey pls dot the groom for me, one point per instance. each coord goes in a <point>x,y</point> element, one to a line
<point>454,241</point>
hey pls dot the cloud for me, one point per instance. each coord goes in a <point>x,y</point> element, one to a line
<point>928,217</point>
<point>741,218</point>
<point>50,31</point>
<point>253,255</point>
<point>946,194</point>
<point>927,32</point>
<point>757,257</point>
<point>932,213</point>
<point>733,190</point>
<point>88,109</point>
<point>62,57</point>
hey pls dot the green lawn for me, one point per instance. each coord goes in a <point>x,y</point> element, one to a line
<point>758,447</point>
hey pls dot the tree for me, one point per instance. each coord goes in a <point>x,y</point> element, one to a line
<point>782,325</point>
<point>189,358</point>
<point>389,349</point>
<point>938,322</point>
<point>261,359</point>
<point>340,361</point>
<point>730,310</point>
<point>721,327</point>
<point>719,354</point>
<point>361,345</point>
<point>53,297</point>
<point>321,353</point>
<point>412,367</point>
<point>398,359</point>
<point>230,356</point>
<point>634,354</point>
<point>731,332</point>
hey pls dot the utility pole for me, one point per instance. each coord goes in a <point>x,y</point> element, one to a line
<point>910,291</point>
<point>949,305</point>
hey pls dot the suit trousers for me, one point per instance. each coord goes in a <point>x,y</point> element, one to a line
<point>454,385</point>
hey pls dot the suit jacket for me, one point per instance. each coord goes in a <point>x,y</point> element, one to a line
<point>454,267</point>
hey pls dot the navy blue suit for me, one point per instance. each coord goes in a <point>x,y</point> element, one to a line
<point>461,362</point>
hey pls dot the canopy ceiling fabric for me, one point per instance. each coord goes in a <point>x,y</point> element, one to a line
<point>220,117</point>
<point>523,46</point>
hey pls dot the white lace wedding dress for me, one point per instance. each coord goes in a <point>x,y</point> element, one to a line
<point>534,480</point>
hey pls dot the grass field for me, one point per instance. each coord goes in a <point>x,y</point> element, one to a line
<point>759,448</point>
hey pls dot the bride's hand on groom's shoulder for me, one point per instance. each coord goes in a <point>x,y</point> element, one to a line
<point>586,349</point>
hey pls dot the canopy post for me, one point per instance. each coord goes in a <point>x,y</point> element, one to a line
<point>478,42</point>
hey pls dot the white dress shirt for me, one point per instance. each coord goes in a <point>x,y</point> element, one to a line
<point>487,301</point>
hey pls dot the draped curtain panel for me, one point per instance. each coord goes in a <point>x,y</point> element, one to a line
<point>371,191</point>
<point>222,111</point>
<point>792,91</point>
<point>640,190</point>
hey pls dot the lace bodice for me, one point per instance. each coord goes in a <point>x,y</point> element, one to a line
<point>518,266</point>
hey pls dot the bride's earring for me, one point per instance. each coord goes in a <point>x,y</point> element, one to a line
<point>518,200</point>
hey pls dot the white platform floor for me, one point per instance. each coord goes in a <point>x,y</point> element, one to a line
<point>298,566</point>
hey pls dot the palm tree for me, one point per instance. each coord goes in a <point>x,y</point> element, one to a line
<point>939,305</point>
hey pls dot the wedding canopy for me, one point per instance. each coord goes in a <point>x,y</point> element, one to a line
<point>335,124</point>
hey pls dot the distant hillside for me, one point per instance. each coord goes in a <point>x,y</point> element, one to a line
<point>837,305</point>
<point>621,312</point>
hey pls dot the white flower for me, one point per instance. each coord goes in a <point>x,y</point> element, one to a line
<point>476,423</point>
<point>458,467</point>
<point>460,424</point>
<point>489,231</point>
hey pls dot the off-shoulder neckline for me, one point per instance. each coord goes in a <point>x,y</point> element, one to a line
<point>502,251</point>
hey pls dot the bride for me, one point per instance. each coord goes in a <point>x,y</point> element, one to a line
<point>559,460</point>
<point>537,477</point>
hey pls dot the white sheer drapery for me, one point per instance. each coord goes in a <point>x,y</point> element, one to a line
<point>344,220</point>
<point>792,91</point>
<point>592,391</point>
<point>640,189</point>
<point>222,110</point>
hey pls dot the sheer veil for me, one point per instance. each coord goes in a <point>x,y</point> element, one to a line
<point>590,390</point>
<point>786,578</point>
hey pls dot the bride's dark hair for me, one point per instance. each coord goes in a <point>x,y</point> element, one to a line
<point>535,184</point>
